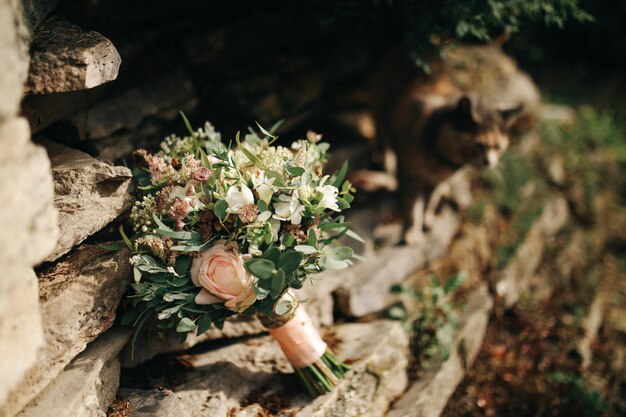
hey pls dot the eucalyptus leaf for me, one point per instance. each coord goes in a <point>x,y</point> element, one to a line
<point>278,284</point>
<point>284,307</point>
<point>289,261</point>
<point>262,268</point>
<point>185,325</point>
<point>306,249</point>
<point>220,209</point>
<point>204,324</point>
<point>295,171</point>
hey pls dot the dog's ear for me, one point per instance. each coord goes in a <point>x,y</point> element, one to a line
<point>465,114</point>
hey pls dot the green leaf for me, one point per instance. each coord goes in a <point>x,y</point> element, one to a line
<point>283,307</point>
<point>114,247</point>
<point>342,203</point>
<point>279,181</point>
<point>328,262</point>
<point>341,253</point>
<point>204,324</point>
<point>261,205</point>
<point>125,238</point>
<point>136,274</point>
<point>295,171</point>
<point>185,325</point>
<point>306,249</point>
<point>289,261</point>
<point>272,254</point>
<point>329,226</point>
<point>220,209</point>
<point>278,284</point>
<point>354,235</point>
<point>262,268</point>
<point>265,132</point>
<point>312,238</point>
<point>187,124</point>
<point>288,240</point>
<point>182,265</point>
<point>341,175</point>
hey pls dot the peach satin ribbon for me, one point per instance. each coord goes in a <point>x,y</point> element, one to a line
<point>300,340</point>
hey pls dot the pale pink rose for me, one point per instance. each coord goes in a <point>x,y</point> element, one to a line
<point>219,271</point>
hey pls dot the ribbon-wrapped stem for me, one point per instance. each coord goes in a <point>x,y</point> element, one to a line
<point>314,363</point>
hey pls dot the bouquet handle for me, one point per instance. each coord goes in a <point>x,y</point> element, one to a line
<point>315,365</point>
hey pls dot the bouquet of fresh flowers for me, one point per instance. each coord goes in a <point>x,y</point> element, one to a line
<point>221,230</point>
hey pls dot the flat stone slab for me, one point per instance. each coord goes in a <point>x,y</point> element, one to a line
<point>88,385</point>
<point>78,299</point>
<point>516,278</point>
<point>364,288</point>
<point>428,396</point>
<point>88,194</point>
<point>66,58</point>
<point>239,380</point>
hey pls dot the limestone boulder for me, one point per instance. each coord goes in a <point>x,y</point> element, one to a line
<point>20,329</point>
<point>66,58</point>
<point>78,297</point>
<point>88,385</point>
<point>29,232</point>
<point>14,38</point>
<point>88,194</point>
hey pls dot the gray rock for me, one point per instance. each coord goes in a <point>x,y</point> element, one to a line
<point>14,38</point>
<point>89,194</point>
<point>21,333</point>
<point>87,386</point>
<point>66,58</point>
<point>29,232</point>
<point>516,278</point>
<point>365,287</point>
<point>221,379</point>
<point>429,395</point>
<point>35,11</point>
<point>78,298</point>
<point>162,97</point>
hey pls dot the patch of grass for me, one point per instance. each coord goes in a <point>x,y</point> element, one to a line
<point>431,318</point>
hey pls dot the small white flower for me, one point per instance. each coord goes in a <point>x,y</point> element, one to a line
<point>329,197</point>
<point>237,197</point>
<point>263,186</point>
<point>289,208</point>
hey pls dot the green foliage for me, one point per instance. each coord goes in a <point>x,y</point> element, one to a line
<point>426,26</point>
<point>434,321</point>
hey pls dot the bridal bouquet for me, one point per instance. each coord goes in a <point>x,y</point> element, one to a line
<point>222,230</point>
